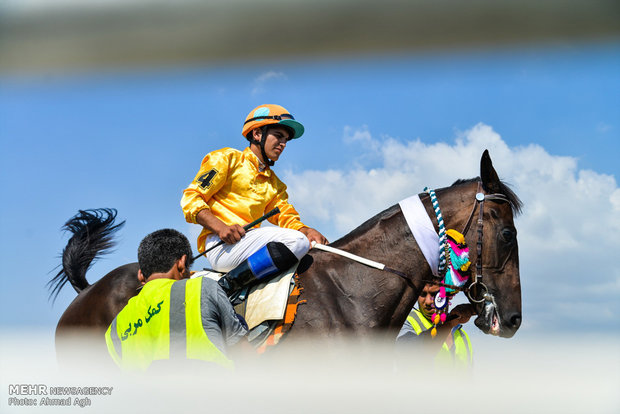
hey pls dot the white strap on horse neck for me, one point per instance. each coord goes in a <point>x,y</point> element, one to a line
<point>423,230</point>
<point>351,256</point>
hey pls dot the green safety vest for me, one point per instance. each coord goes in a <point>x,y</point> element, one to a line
<point>163,322</point>
<point>460,354</point>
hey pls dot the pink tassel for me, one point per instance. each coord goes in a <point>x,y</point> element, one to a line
<point>442,292</point>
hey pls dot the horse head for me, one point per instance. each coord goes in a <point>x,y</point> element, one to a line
<point>495,288</point>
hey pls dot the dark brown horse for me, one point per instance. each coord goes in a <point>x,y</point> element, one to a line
<point>342,296</point>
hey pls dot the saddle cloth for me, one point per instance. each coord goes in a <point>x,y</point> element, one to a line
<point>265,301</point>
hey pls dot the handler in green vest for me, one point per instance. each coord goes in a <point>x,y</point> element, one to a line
<point>451,345</point>
<point>173,317</point>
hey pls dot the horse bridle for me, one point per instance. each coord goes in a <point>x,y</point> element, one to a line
<point>481,197</point>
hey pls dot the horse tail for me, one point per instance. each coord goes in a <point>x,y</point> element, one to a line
<point>93,232</point>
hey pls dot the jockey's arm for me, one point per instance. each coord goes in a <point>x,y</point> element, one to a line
<point>289,217</point>
<point>229,234</point>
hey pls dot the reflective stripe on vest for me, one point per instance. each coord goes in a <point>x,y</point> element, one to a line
<point>419,322</point>
<point>198,344</point>
<point>462,347</point>
<point>460,353</point>
<point>114,343</point>
<point>163,322</point>
<point>178,327</point>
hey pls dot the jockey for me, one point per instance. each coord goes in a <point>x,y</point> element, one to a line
<point>451,342</point>
<point>173,317</point>
<point>233,188</point>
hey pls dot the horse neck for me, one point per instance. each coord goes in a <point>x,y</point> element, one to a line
<point>362,298</point>
<point>385,238</point>
<point>384,297</point>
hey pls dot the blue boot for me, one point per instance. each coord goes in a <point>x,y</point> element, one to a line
<point>275,257</point>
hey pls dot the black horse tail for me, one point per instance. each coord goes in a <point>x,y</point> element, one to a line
<point>93,232</point>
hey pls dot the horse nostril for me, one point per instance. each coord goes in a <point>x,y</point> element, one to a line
<point>515,320</point>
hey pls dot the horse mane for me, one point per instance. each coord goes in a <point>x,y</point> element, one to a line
<point>515,202</point>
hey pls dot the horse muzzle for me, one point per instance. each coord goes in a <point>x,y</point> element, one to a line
<point>491,322</point>
<point>488,320</point>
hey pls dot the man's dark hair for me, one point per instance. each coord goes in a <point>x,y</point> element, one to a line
<point>266,128</point>
<point>161,249</point>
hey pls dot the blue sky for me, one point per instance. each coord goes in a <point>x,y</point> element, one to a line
<point>133,140</point>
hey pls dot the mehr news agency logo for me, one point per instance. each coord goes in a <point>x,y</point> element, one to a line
<point>54,396</point>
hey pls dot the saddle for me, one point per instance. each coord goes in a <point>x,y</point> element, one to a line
<point>269,308</point>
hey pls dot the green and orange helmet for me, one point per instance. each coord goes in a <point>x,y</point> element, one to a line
<point>265,115</point>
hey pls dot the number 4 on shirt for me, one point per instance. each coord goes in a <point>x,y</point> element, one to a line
<point>206,179</point>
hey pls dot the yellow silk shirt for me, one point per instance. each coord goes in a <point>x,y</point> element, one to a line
<point>231,185</point>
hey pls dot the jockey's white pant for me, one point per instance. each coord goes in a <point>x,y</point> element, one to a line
<point>226,257</point>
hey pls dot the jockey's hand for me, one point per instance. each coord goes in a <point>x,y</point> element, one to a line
<point>313,235</point>
<point>231,234</point>
<point>461,313</point>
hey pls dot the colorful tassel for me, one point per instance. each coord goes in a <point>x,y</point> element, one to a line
<point>456,236</point>
<point>457,255</point>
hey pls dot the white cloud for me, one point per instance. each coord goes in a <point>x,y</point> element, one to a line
<point>614,199</point>
<point>603,127</point>
<point>264,78</point>
<point>567,234</point>
<point>359,136</point>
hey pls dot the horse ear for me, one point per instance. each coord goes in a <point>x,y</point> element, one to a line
<point>490,180</point>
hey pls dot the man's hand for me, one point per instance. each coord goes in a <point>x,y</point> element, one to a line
<point>231,234</point>
<point>228,234</point>
<point>313,235</point>
<point>461,314</point>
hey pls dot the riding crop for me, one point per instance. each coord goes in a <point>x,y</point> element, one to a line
<point>246,228</point>
<point>378,265</point>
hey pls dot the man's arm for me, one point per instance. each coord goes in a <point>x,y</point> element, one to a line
<point>289,217</point>
<point>233,328</point>
<point>208,181</point>
<point>229,234</point>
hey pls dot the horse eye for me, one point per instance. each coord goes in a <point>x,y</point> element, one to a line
<point>508,235</point>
